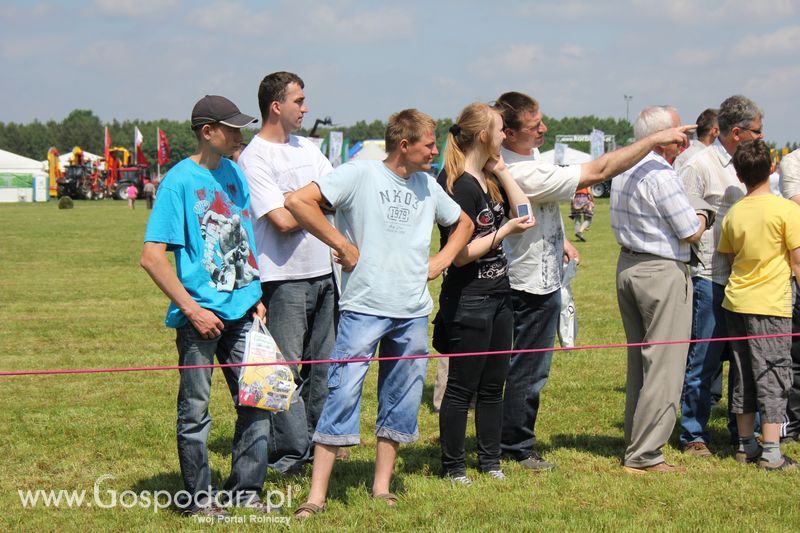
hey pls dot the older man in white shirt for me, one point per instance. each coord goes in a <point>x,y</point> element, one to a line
<point>654,223</point>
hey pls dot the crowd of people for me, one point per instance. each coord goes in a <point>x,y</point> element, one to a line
<point>342,257</point>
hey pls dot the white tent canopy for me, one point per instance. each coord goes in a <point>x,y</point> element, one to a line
<point>571,156</point>
<point>63,159</point>
<point>12,163</point>
<point>371,150</point>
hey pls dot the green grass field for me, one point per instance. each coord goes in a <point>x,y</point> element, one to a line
<point>73,296</point>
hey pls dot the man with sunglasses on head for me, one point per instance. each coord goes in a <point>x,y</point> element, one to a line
<point>536,258</point>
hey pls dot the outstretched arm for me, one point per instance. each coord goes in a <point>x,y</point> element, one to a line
<point>618,161</point>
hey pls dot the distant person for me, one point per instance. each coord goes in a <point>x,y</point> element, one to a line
<point>202,210</point>
<point>710,176</point>
<point>385,211</point>
<point>132,193</point>
<point>790,188</point>
<point>707,132</point>
<point>149,193</point>
<point>654,224</point>
<point>761,236</point>
<point>582,211</point>
<point>537,257</point>
<point>475,300</point>
<point>296,279</point>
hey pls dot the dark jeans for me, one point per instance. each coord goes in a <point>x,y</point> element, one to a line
<point>474,324</point>
<point>249,452</point>
<point>792,426</point>
<point>703,360</point>
<point>535,323</point>
<point>300,316</point>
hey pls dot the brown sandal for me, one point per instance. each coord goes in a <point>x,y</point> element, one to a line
<point>310,509</point>
<point>388,497</point>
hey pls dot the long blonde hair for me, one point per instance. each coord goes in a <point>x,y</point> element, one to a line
<point>464,136</point>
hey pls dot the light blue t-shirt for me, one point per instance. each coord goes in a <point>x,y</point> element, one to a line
<point>390,220</point>
<point>203,216</point>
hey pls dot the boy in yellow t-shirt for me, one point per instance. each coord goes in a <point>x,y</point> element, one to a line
<point>761,235</point>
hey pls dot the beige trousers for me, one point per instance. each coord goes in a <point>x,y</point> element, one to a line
<point>655,301</point>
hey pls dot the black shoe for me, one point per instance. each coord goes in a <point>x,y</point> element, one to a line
<point>535,462</point>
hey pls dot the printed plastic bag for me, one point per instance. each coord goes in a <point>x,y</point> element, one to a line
<point>568,319</point>
<point>268,387</point>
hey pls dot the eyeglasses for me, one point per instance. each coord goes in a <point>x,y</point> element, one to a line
<point>754,132</point>
<point>534,128</point>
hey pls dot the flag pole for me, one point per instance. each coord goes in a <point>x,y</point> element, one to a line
<point>158,154</point>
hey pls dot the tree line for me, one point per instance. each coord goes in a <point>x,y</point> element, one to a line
<point>83,128</point>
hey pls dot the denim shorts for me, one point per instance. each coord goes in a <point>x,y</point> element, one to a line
<point>400,382</point>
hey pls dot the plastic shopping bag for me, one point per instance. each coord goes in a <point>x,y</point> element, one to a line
<point>568,319</point>
<point>268,387</point>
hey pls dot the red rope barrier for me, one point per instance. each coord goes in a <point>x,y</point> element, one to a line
<point>382,358</point>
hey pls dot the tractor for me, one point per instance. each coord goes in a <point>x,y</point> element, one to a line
<point>120,173</point>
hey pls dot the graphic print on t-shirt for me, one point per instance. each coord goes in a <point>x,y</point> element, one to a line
<point>493,264</point>
<point>399,209</point>
<point>226,253</point>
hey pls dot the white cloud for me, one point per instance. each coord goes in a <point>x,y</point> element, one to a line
<point>782,41</point>
<point>514,59</point>
<point>742,11</point>
<point>134,8</point>
<point>302,21</point>
<point>572,53</point>
<point>570,9</point>
<point>232,18</point>
<point>363,26</point>
<point>695,58</point>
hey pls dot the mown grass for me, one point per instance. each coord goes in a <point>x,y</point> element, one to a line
<point>72,295</point>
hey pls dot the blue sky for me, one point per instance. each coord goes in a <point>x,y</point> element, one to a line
<point>150,59</point>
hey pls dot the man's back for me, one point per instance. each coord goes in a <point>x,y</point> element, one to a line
<point>760,231</point>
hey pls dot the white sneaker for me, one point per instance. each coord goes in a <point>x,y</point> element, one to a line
<point>496,474</point>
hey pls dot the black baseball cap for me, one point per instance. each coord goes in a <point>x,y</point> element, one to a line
<point>212,108</point>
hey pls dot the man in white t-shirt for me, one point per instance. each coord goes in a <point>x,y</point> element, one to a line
<point>295,266</point>
<point>536,258</point>
<point>707,133</point>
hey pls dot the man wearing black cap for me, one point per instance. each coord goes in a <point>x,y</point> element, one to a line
<point>202,213</point>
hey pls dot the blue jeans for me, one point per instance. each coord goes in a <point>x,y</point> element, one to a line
<point>474,323</point>
<point>703,360</point>
<point>249,451</point>
<point>535,323</point>
<point>301,322</point>
<point>399,382</point>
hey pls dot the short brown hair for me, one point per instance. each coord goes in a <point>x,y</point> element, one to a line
<point>273,89</point>
<point>512,105</point>
<point>752,162</point>
<point>408,124</point>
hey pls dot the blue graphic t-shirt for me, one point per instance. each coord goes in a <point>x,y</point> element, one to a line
<point>203,216</point>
